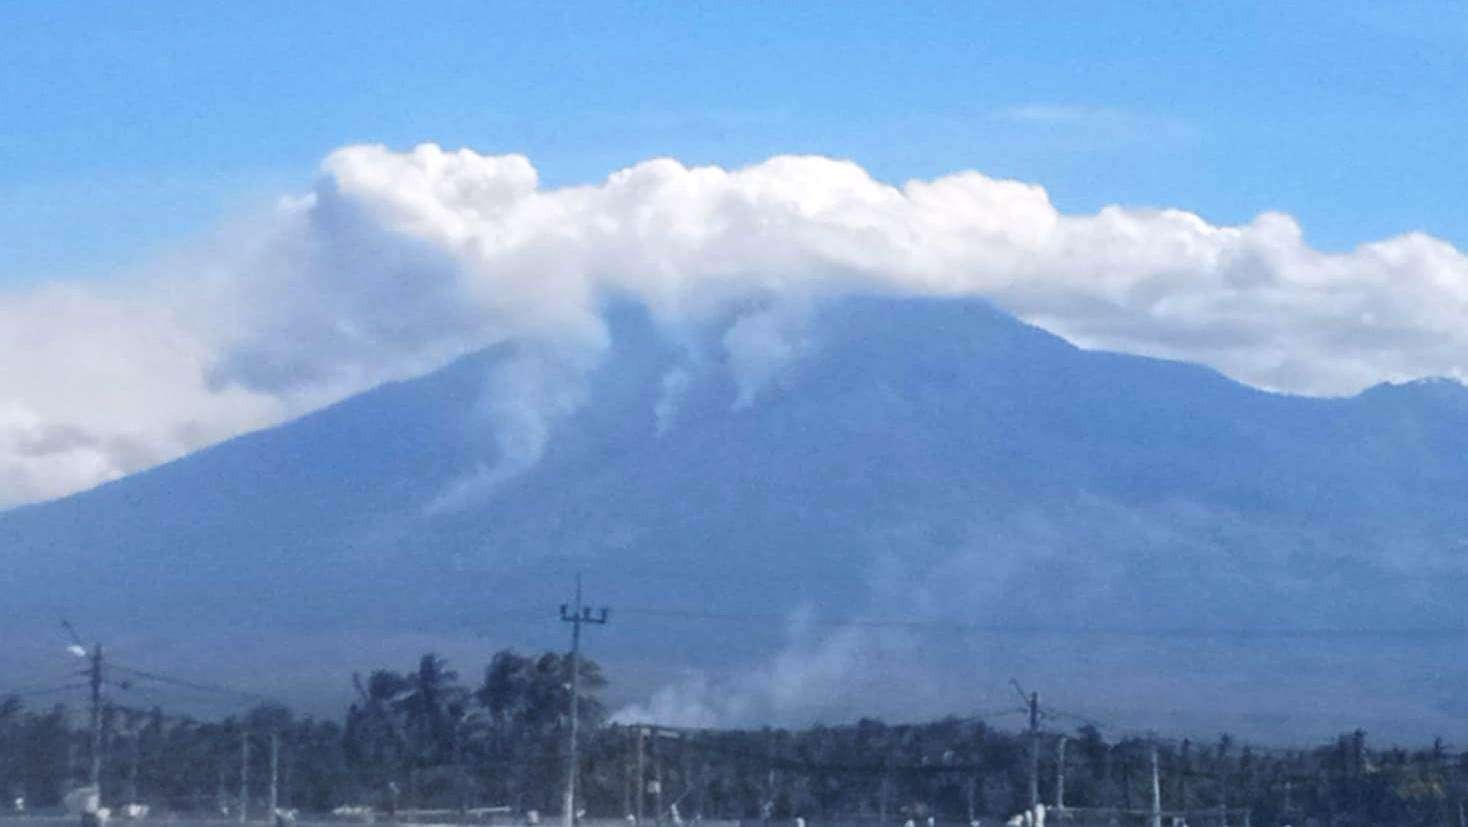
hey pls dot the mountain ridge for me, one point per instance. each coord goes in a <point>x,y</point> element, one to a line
<point>928,459</point>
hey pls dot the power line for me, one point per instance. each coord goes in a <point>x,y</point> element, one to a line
<point>159,695</point>
<point>28,692</point>
<point>1026,630</point>
<point>195,685</point>
<point>48,683</point>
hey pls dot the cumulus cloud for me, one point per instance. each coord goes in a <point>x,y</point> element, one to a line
<point>97,385</point>
<point>396,262</point>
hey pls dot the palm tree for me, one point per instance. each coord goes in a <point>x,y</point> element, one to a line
<point>423,707</point>
<point>504,694</point>
<point>375,739</point>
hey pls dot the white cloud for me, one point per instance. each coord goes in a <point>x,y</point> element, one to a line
<point>396,262</point>
<point>94,386</point>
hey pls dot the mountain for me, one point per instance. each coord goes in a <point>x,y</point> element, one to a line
<point>929,498</point>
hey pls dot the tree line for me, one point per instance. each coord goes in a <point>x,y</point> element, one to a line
<point>427,739</point>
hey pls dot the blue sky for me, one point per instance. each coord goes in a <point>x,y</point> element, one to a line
<point>127,129</point>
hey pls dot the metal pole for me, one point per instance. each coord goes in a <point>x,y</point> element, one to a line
<point>641,772</point>
<point>1060,774</point>
<point>1185,771</point>
<point>94,675</point>
<point>569,808</point>
<point>657,779</point>
<point>578,615</point>
<point>1156,790</point>
<point>461,776</point>
<point>1034,750</point>
<point>244,773</point>
<point>134,766</point>
<point>274,773</point>
<point>627,778</point>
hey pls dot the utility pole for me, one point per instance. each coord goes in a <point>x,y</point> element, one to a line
<point>221,800</point>
<point>94,679</point>
<point>1034,750</point>
<point>578,615</point>
<point>767,810</point>
<point>244,772</point>
<point>657,779</point>
<point>94,682</point>
<point>274,774</point>
<point>627,777</point>
<point>1156,790</point>
<point>1184,772</point>
<point>134,766</point>
<point>685,761</point>
<point>1032,702</point>
<point>703,787</point>
<point>1059,774</point>
<point>641,772</point>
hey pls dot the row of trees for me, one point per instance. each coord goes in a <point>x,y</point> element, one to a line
<point>426,736</point>
<point>425,739</point>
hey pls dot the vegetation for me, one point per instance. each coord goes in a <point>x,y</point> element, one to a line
<point>425,739</point>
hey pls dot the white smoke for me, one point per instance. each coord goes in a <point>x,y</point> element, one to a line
<point>673,388</point>
<point>761,348</point>
<point>525,396</point>
<point>399,261</point>
<point>820,674</point>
